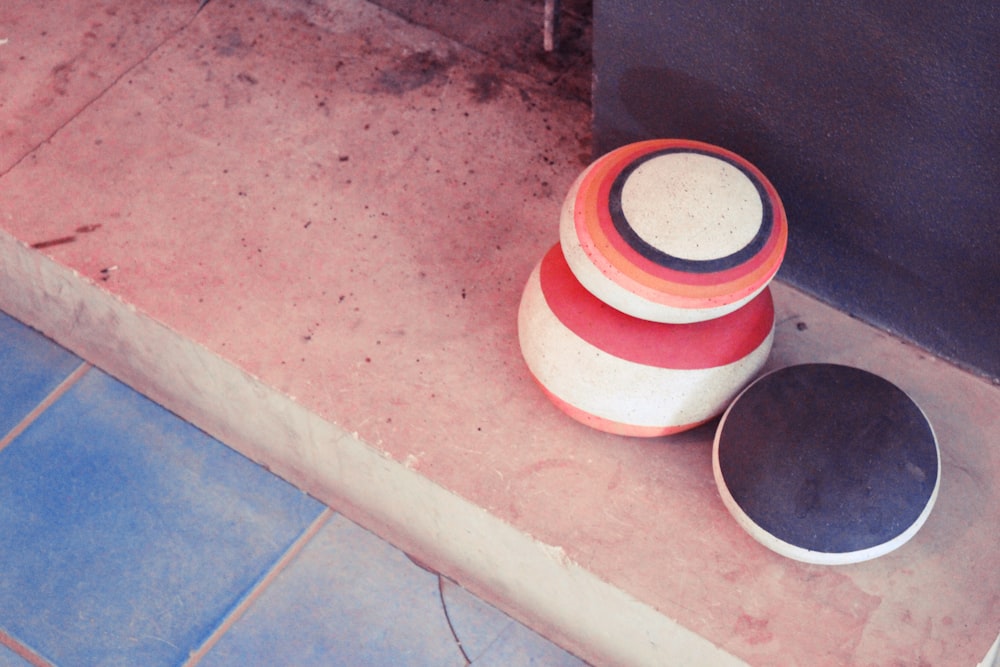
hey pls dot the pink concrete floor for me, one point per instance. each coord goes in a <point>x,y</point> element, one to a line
<point>343,207</point>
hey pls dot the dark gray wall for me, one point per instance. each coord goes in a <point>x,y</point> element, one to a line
<point>878,122</point>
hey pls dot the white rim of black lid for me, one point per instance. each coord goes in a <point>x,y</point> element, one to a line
<point>800,553</point>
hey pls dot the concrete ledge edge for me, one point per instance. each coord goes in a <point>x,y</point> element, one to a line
<point>534,582</point>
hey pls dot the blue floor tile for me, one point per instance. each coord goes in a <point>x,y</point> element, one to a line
<point>490,638</point>
<point>476,623</point>
<point>31,366</point>
<point>348,599</point>
<point>128,533</point>
<point>129,536</point>
<point>10,659</point>
<point>518,646</point>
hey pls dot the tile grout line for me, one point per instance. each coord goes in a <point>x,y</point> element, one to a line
<point>53,396</point>
<point>23,650</point>
<point>258,588</point>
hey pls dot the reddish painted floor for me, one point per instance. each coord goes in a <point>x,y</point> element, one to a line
<point>345,207</point>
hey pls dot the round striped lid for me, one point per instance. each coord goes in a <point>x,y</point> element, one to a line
<point>671,230</point>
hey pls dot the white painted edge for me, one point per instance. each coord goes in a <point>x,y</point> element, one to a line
<point>533,581</point>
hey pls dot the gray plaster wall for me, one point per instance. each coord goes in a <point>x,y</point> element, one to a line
<point>878,123</point>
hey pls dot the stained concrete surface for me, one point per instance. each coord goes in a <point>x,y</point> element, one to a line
<point>325,203</point>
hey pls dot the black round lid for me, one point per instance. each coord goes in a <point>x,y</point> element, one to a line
<point>827,464</point>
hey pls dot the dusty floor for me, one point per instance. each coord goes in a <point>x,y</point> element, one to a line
<point>305,227</point>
